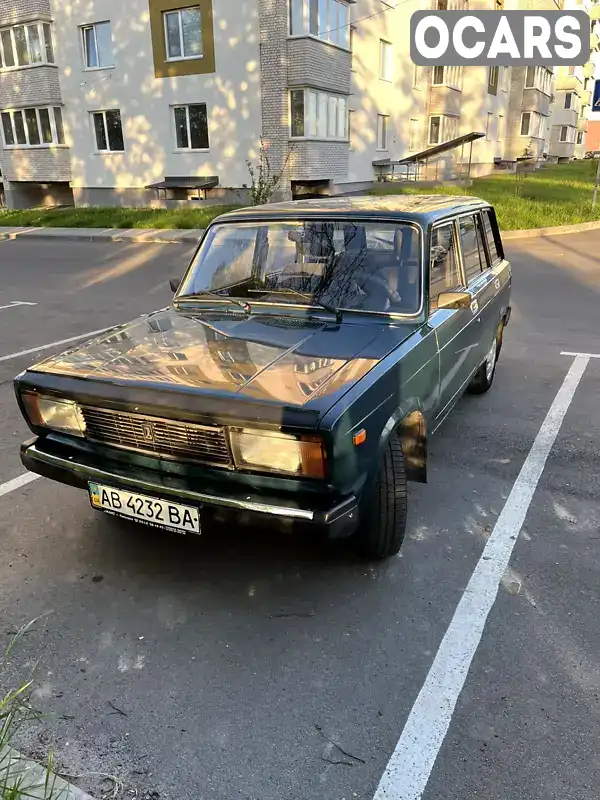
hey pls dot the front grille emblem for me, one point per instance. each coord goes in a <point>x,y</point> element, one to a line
<point>148,432</point>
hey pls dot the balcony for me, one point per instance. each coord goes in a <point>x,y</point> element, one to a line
<point>312,62</point>
<point>582,124</point>
<point>568,83</point>
<point>445,100</point>
<point>561,149</point>
<point>38,165</point>
<point>535,100</point>
<point>319,160</point>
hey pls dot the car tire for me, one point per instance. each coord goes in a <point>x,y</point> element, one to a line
<point>383,518</point>
<point>484,377</point>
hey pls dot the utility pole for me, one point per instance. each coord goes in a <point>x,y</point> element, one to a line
<point>597,181</point>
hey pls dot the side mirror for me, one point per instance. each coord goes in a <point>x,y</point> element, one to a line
<point>453,300</point>
<point>175,283</point>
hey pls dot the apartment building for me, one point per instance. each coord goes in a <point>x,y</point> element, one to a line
<point>104,102</point>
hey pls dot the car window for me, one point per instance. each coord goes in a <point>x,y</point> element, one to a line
<point>488,228</point>
<point>360,265</point>
<point>444,270</point>
<point>473,250</point>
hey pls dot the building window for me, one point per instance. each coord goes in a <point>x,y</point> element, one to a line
<point>435,130</point>
<point>33,127</point>
<point>568,99</point>
<point>442,5</point>
<point>24,45</point>
<point>493,80</point>
<point>564,133</point>
<point>327,19</point>
<point>533,124</point>
<point>416,76</point>
<point>191,127</point>
<point>501,128</point>
<point>351,46</point>
<point>506,78</point>
<point>382,132</point>
<point>108,131</point>
<point>571,71</point>
<point>318,115</point>
<point>538,78</point>
<point>446,76</point>
<point>579,137</point>
<point>385,60</point>
<point>97,45</point>
<point>413,135</point>
<point>183,34</point>
<point>488,126</point>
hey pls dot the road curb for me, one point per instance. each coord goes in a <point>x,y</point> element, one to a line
<point>31,776</point>
<point>559,230</point>
<point>166,236</point>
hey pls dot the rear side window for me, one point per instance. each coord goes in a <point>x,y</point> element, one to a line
<point>444,271</point>
<point>489,231</point>
<point>473,250</point>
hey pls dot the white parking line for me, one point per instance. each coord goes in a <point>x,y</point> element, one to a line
<point>16,303</point>
<point>587,355</point>
<point>10,356</point>
<point>409,768</point>
<point>17,483</point>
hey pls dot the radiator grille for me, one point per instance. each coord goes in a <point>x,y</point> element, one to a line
<point>182,441</point>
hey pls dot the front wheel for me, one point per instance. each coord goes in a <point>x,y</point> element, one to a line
<point>383,513</point>
<point>484,377</point>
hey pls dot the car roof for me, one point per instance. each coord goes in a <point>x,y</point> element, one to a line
<point>421,208</point>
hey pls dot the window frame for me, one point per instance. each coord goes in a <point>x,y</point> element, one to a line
<point>188,149</point>
<point>566,140</point>
<point>46,46</point>
<point>488,126</point>
<point>383,133</point>
<point>493,79</point>
<point>313,26</point>
<point>104,112</point>
<point>386,61</point>
<point>319,104</point>
<point>568,105</point>
<point>92,26</point>
<point>440,132</point>
<point>481,241</point>
<point>579,137</point>
<point>54,127</point>
<point>495,231</point>
<point>182,57</point>
<point>453,223</point>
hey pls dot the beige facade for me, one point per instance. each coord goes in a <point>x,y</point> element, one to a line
<point>118,97</point>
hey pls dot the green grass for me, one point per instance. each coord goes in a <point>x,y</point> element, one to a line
<point>113,217</point>
<point>555,195</point>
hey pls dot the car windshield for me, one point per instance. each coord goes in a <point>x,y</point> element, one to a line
<point>362,266</point>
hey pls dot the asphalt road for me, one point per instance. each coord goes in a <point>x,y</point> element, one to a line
<point>235,659</point>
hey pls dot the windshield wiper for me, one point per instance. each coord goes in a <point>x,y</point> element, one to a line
<point>337,312</point>
<point>217,296</point>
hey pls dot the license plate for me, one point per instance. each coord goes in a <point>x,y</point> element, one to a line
<point>147,510</point>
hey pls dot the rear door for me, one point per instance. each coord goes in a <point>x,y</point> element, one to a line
<point>480,263</point>
<point>453,327</point>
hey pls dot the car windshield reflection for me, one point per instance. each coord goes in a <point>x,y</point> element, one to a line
<point>360,266</point>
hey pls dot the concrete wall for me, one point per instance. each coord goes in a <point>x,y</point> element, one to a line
<point>370,95</point>
<point>232,95</point>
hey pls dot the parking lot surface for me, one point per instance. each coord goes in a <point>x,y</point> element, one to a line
<point>251,663</point>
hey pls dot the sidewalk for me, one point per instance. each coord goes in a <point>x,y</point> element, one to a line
<point>131,235</point>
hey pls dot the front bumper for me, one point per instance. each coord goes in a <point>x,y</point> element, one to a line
<point>53,460</point>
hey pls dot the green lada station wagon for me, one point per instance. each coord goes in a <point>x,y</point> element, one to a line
<point>310,351</point>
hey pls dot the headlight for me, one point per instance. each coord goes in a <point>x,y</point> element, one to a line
<point>278,452</point>
<point>49,412</point>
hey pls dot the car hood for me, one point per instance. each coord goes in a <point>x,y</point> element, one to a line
<point>293,361</point>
